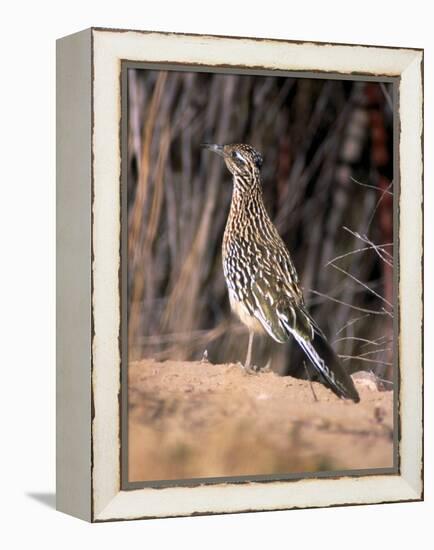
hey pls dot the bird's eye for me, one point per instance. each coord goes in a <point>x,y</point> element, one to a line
<point>237,157</point>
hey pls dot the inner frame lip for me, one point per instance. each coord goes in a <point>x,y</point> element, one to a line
<point>395,79</point>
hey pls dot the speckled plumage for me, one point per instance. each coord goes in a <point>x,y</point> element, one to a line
<point>263,285</point>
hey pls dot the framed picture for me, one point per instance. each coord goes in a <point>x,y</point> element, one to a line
<point>239,274</point>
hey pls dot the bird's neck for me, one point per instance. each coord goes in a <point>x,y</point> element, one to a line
<point>247,209</point>
<point>247,190</point>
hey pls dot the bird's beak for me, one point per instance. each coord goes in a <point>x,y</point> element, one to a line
<point>219,149</point>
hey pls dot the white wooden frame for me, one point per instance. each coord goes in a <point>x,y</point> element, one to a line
<point>88,263</point>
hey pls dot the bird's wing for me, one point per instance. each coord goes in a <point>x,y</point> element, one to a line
<point>288,316</point>
<point>278,308</point>
<point>282,315</point>
<point>263,278</point>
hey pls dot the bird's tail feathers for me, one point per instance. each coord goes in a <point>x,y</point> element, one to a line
<point>328,366</point>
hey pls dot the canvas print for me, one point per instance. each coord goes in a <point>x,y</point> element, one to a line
<point>258,303</point>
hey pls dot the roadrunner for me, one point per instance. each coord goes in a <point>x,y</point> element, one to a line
<point>264,289</point>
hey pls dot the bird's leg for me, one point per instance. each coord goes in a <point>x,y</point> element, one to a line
<point>249,351</point>
<point>252,369</point>
<point>267,366</point>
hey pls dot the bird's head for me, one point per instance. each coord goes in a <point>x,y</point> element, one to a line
<point>241,159</point>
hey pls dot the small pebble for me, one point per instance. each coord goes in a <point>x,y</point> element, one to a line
<point>379,413</point>
<point>263,397</point>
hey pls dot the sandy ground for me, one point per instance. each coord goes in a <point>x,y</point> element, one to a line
<point>192,419</point>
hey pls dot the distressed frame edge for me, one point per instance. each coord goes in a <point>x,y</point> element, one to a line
<point>73,275</point>
<point>410,489</point>
<point>411,255</point>
<point>251,38</point>
<point>397,490</point>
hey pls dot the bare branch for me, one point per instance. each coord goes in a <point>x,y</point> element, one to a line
<point>379,341</point>
<point>376,247</point>
<point>362,284</point>
<point>371,311</point>
<point>366,353</point>
<point>367,185</point>
<point>386,95</point>
<point>378,203</point>
<point>356,252</point>
<point>352,322</point>
<point>348,357</point>
<point>356,339</point>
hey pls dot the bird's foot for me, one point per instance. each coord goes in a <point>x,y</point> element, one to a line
<point>255,369</point>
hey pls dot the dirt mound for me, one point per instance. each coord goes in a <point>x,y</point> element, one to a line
<point>193,419</point>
